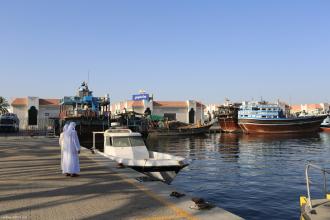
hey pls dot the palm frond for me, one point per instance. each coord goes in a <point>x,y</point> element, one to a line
<point>3,105</point>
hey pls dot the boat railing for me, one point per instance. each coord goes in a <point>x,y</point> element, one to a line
<point>324,171</point>
<point>81,113</point>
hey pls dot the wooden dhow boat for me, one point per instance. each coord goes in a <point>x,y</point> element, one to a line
<point>270,119</point>
<point>90,113</point>
<point>228,118</point>
<point>179,130</point>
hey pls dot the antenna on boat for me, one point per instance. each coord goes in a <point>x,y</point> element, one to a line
<point>88,78</point>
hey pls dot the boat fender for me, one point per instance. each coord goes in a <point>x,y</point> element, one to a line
<point>303,201</point>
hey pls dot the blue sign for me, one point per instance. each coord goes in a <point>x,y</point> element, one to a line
<point>141,97</point>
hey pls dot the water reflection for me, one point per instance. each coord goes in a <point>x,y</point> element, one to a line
<point>229,147</point>
<point>279,137</point>
<point>244,173</point>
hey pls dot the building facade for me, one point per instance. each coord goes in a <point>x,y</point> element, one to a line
<point>35,112</point>
<point>209,111</point>
<point>189,111</point>
<point>310,109</point>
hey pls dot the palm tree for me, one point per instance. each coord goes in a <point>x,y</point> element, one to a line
<point>3,105</point>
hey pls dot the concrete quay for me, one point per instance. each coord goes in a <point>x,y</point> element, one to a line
<point>32,187</point>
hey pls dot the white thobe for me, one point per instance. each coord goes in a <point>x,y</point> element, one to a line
<point>71,146</point>
<point>61,142</point>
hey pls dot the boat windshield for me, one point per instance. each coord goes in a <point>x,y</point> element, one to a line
<point>136,141</point>
<point>127,141</point>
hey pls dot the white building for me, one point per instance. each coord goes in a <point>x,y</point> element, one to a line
<point>35,112</point>
<point>189,111</point>
<point>210,109</point>
<point>311,109</point>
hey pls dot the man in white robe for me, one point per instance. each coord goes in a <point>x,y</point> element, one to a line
<point>71,150</point>
<point>61,142</point>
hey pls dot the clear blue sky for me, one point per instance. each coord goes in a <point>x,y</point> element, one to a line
<point>177,49</point>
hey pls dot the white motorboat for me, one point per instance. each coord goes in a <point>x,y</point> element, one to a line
<point>128,148</point>
<point>325,126</point>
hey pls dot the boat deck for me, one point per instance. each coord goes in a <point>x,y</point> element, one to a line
<point>32,187</point>
<point>322,209</point>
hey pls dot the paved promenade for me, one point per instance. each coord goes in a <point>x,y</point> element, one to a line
<point>32,187</point>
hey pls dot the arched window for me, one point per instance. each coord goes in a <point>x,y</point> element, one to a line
<point>33,116</point>
<point>147,111</point>
<point>191,116</point>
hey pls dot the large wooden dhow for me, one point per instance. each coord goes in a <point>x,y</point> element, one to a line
<point>227,116</point>
<point>88,112</point>
<point>270,119</point>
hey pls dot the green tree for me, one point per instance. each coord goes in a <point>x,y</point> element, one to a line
<point>3,105</point>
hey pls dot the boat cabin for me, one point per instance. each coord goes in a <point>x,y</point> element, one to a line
<point>125,144</point>
<point>260,111</point>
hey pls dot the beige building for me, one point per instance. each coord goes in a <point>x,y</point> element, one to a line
<point>35,112</point>
<point>210,109</point>
<point>311,109</point>
<point>189,111</point>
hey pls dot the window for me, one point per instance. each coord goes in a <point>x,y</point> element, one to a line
<point>125,141</point>
<point>136,141</point>
<point>108,141</point>
<point>33,116</point>
<point>121,142</point>
<point>170,116</point>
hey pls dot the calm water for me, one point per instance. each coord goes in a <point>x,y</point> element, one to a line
<point>255,177</point>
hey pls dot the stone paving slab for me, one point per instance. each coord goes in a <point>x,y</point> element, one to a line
<point>32,187</point>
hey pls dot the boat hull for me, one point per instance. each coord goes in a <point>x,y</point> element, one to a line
<point>85,128</point>
<point>180,132</point>
<point>281,126</point>
<point>165,174</point>
<point>229,125</point>
<point>325,128</point>
<point>159,166</point>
